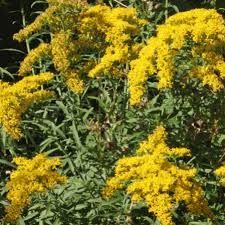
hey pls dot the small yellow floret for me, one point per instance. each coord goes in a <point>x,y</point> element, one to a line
<point>220,172</point>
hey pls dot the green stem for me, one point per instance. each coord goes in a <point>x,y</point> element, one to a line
<point>166,11</point>
<point>24,25</point>
<point>120,3</point>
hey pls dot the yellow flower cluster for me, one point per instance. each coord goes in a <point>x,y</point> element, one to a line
<point>151,177</point>
<point>205,28</point>
<point>117,26</point>
<point>62,52</point>
<point>39,22</point>
<point>220,172</point>
<point>32,175</point>
<point>16,98</point>
<point>34,55</point>
<point>69,2</point>
<point>51,17</point>
<point>98,29</point>
<point>66,14</point>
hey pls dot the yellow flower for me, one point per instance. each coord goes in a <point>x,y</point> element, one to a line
<point>39,22</point>
<point>77,29</point>
<point>73,81</point>
<point>63,51</point>
<point>31,176</point>
<point>33,56</point>
<point>205,28</point>
<point>69,2</point>
<point>116,26</point>
<point>52,17</point>
<point>15,99</point>
<point>151,177</point>
<point>220,172</point>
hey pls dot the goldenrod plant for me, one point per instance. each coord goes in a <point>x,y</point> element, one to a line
<point>201,32</point>
<point>16,99</point>
<point>31,176</point>
<point>115,114</point>
<point>150,176</point>
<point>100,28</point>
